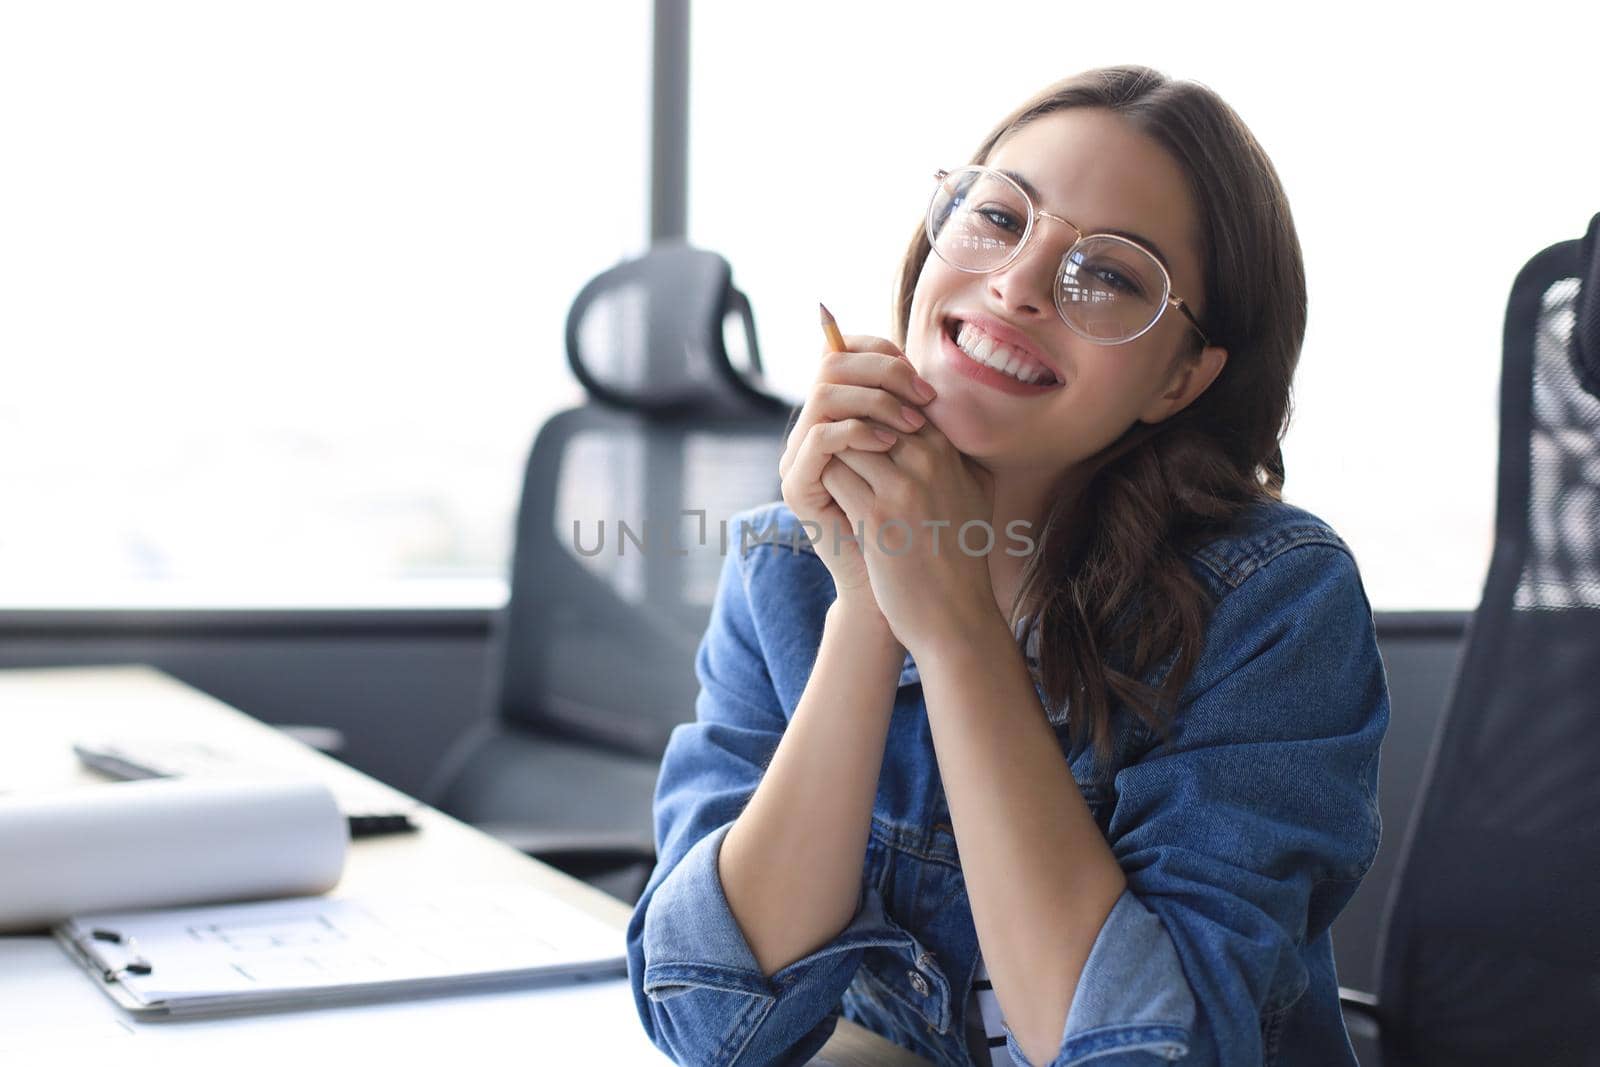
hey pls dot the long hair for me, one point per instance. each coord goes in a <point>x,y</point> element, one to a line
<point>1109,587</point>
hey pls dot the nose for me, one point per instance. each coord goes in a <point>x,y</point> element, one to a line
<point>1025,286</point>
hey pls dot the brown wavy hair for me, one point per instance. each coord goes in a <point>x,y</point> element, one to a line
<point>1109,587</point>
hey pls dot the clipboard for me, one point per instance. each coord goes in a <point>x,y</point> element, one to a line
<point>321,951</point>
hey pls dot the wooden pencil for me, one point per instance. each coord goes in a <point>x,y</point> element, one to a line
<point>831,329</point>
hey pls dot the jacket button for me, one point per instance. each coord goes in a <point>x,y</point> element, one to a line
<point>919,983</point>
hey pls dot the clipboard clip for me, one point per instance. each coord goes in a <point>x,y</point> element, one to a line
<point>132,963</point>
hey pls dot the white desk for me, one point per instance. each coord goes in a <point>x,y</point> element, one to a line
<point>50,1011</point>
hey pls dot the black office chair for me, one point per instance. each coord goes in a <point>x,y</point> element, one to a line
<point>1490,942</point>
<point>594,653</point>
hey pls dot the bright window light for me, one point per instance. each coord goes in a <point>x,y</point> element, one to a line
<point>283,288</point>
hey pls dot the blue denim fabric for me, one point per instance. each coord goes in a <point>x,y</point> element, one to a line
<point>1241,842</point>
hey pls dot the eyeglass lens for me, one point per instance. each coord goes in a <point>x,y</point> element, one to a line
<point>1107,289</point>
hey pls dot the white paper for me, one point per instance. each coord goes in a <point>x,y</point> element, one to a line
<point>163,843</point>
<point>424,940</point>
<point>50,1013</point>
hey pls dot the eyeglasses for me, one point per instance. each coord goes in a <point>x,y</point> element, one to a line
<point>1108,289</point>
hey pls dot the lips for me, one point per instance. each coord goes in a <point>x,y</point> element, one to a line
<point>1021,352</point>
<point>962,364</point>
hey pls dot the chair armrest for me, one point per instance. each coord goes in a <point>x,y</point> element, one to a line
<point>565,848</point>
<point>1362,1015</point>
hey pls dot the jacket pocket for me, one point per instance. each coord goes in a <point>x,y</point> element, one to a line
<point>907,982</point>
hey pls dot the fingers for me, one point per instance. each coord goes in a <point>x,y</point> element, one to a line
<point>826,439</point>
<point>873,380</point>
<point>865,342</point>
<point>877,370</point>
<point>835,401</point>
<point>831,402</point>
<point>861,385</point>
<point>853,493</point>
<point>875,468</point>
<point>877,382</point>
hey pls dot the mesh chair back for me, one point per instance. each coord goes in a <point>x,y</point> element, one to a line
<point>1491,939</point>
<point>613,576</point>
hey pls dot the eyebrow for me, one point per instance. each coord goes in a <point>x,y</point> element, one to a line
<point>1028,188</point>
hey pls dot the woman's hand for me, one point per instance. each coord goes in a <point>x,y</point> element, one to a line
<point>860,397</point>
<point>929,574</point>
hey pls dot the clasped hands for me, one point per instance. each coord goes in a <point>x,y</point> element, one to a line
<point>901,518</point>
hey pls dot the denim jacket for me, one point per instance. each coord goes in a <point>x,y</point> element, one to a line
<point>1241,841</point>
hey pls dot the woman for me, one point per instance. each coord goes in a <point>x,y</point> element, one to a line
<point>1073,754</point>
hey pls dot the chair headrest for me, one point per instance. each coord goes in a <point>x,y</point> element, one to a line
<point>1586,325</point>
<point>647,335</point>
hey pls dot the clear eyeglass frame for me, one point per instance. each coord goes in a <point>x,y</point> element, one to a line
<point>1168,299</point>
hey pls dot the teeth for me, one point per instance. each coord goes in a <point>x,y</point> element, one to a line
<point>984,349</point>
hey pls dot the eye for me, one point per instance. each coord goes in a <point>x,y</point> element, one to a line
<point>1001,217</point>
<point>1118,281</point>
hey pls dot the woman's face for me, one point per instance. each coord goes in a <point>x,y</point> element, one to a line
<point>1092,167</point>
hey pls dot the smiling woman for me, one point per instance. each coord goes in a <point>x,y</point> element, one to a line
<point>1097,798</point>
<point>1163,437</point>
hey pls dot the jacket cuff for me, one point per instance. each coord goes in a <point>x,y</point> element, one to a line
<point>690,938</point>
<point>692,941</point>
<point>1133,1005</point>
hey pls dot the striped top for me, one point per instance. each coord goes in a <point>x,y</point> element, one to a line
<point>986,1039</point>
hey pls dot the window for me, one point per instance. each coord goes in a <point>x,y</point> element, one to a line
<point>283,288</point>
<point>1427,158</point>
